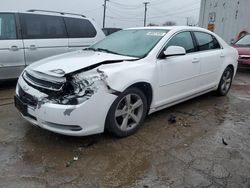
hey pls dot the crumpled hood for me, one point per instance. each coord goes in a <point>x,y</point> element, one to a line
<point>70,62</point>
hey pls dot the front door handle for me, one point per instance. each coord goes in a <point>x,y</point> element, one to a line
<point>196,60</point>
<point>14,48</point>
<point>222,55</point>
<point>32,47</point>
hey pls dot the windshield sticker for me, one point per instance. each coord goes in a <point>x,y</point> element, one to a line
<point>157,34</point>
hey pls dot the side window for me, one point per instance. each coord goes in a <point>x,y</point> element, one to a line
<point>7,27</point>
<point>184,40</point>
<point>80,28</point>
<point>206,41</point>
<point>43,27</point>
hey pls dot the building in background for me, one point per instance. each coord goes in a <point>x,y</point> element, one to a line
<point>227,18</point>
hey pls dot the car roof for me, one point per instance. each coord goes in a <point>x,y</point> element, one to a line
<point>171,28</point>
<point>49,13</point>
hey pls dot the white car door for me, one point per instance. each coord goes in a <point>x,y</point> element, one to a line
<point>178,74</point>
<point>211,60</point>
<point>12,59</point>
<point>43,36</point>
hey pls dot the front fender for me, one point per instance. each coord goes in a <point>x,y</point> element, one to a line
<point>123,77</point>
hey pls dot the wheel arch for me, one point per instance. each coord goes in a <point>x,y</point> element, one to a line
<point>232,67</point>
<point>146,88</point>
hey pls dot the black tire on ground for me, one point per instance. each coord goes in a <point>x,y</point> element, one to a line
<point>127,113</point>
<point>225,82</point>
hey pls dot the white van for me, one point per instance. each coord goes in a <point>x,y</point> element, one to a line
<point>36,34</point>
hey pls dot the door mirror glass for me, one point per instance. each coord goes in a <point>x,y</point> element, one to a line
<point>174,51</point>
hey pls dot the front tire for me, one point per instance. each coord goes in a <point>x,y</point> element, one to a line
<point>225,82</point>
<point>127,113</point>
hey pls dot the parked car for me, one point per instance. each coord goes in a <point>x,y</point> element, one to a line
<point>116,82</point>
<point>243,47</point>
<point>109,30</point>
<point>30,36</point>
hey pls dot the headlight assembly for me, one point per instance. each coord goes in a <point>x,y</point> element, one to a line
<point>82,86</point>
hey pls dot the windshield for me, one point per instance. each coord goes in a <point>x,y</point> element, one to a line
<point>134,43</point>
<point>244,41</point>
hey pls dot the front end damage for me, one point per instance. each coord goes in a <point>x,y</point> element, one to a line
<point>74,104</point>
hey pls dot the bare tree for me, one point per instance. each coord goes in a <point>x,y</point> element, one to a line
<point>152,24</point>
<point>169,23</point>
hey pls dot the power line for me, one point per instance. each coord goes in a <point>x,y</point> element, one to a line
<point>173,14</point>
<point>159,16</point>
<point>125,6</point>
<point>159,2</point>
<point>173,8</point>
<point>123,19</point>
<point>131,16</point>
<point>120,9</point>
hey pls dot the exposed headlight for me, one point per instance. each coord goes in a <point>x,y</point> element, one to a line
<point>82,86</point>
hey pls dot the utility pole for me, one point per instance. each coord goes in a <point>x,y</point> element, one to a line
<point>187,21</point>
<point>104,12</point>
<point>145,13</point>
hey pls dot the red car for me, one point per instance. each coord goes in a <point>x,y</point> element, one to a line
<point>243,47</point>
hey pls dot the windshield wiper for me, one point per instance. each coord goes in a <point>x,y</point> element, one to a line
<point>101,50</point>
<point>91,49</point>
<point>106,50</point>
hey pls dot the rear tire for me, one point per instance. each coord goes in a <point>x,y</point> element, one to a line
<point>225,82</point>
<point>127,113</point>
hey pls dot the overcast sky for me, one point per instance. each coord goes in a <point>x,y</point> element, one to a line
<point>120,13</point>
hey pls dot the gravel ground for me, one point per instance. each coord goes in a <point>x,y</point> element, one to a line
<point>207,146</point>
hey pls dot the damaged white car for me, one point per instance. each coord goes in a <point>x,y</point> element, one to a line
<point>115,83</point>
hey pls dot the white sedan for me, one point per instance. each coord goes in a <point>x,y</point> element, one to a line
<point>115,83</point>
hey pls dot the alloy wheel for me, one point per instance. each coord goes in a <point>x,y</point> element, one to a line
<point>129,112</point>
<point>226,81</point>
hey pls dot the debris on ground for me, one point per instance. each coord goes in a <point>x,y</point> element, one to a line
<point>172,119</point>
<point>224,142</point>
<point>69,163</point>
<point>75,158</point>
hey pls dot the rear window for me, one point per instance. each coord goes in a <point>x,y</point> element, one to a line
<point>80,28</point>
<point>43,27</point>
<point>206,41</point>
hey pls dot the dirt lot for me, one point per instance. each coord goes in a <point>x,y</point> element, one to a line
<point>208,146</point>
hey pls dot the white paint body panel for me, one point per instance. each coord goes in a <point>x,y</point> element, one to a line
<point>173,80</point>
<point>178,77</point>
<point>12,60</point>
<point>36,49</point>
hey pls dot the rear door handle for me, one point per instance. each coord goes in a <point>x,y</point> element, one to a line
<point>14,48</point>
<point>32,47</point>
<point>196,60</point>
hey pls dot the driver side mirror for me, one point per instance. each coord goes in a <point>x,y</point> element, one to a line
<point>174,51</point>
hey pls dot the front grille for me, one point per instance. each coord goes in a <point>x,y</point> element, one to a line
<point>26,98</point>
<point>42,83</point>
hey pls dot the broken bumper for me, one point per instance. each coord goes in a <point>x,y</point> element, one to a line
<point>74,120</point>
